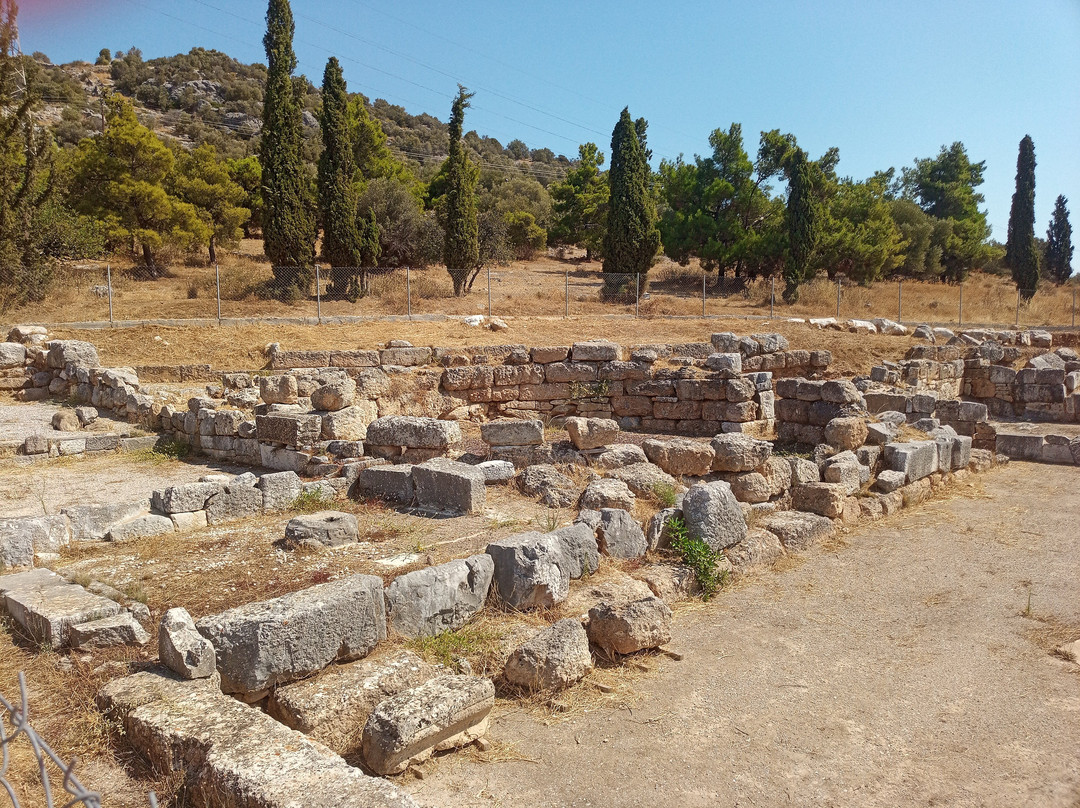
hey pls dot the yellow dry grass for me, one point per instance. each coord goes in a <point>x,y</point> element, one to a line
<point>545,286</point>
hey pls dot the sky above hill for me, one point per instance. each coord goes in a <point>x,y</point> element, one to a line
<point>886,82</point>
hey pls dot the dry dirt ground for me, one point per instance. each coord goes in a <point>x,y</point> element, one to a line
<point>908,664</point>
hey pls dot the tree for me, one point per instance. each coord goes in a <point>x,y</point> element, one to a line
<point>925,237</point>
<point>341,245</point>
<point>120,177</point>
<point>461,249</point>
<point>632,238</point>
<point>859,236</point>
<point>803,219</point>
<point>401,222</point>
<point>523,235</point>
<point>716,210</point>
<point>579,203</point>
<point>1021,254</point>
<point>1059,246</point>
<point>104,57</point>
<point>26,176</point>
<point>289,218</point>
<point>204,181</point>
<point>247,173</point>
<point>944,187</point>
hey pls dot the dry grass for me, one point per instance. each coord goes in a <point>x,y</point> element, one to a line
<point>540,287</point>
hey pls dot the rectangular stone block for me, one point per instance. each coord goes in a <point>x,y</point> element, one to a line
<point>272,642</point>
<point>288,429</point>
<point>47,606</point>
<point>405,357</point>
<point>916,460</point>
<point>442,484</point>
<point>513,432</point>
<point>391,484</point>
<point>354,359</point>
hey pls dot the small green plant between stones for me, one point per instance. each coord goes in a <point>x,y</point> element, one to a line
<point>309,502</point>
<point>665,494</point>
<point>697,555</point>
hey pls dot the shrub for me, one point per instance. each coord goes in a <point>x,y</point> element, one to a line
<point>697,555</point>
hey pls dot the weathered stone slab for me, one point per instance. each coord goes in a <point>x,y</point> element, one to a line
<point>624,628</point>
<point>62,352</point>
<point>579,548</point>
<point>288,429</point>
<point>182,649</point>
<point>513,432</point>
<point>592,433</point>
<point>414,432</point>
<point>441,598</point>
<point>47,606</point>
<point>917,459</point>
<point>263,644</point>
<point>322,529</point>
<point>713,514</point>
<point>349,423</point>
<point>759,548</point>
<point>93,522</point>
<point>150,524</point>
<point>619,535</point>
<point>554,488</point>
<point>737,452</point>
<point>443,713</point>
<point>120,629</point>
<point>553,659</point>
<point>824,499</point>
<point>796,530</point>
<point>228,754</point>
<point>333,707</point>
<point>442,484</point>
<point>646,479</point>
<point>680,456</point>
<point>390,484</point>
<point>607,493</point>
<point>23,536</point>
<point>234,502</point>
<point>280,490</point>
<point>184,498</point>
<point>496,471</point>
<point>530,570</point>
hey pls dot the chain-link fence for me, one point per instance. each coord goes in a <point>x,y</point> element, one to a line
<point>15,728</point>
<point>246,289</point>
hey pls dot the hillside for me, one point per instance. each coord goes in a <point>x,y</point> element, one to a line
<point>206,96</point>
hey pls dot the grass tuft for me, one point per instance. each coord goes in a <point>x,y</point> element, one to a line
<point>697,555</point>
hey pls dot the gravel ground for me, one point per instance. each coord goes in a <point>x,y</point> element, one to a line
<point>907,665</point>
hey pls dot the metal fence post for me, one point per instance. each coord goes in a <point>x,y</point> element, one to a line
<point>960,319</point>
<point>1017,306</point>
<point>408,291</point>
<point>703,277</point>
<point>637,292</point>
<point>108,280</point>
<point>318,293</point>
<point>217,284</point>
<point>772,295</point>
<point>489,289</point>
<point>567,312</point>
<point>838,282</point>
<point>1074,308</point>
<point>900,300</point>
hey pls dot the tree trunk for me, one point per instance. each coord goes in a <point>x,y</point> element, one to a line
<point>459,277</point>
<point>213,251</point>
<point>148,259</point>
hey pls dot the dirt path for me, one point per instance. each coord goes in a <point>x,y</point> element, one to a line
<point>907,668</point>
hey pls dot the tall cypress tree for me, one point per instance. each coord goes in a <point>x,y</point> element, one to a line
<point>289,218</point>
<point>1021,254</point>
<point>632,237</point>
<point>341,245</point>
<point>802,225</point>
<point>461,248</point>
<point>1059,246</point>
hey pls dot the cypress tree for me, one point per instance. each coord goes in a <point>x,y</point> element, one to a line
<point>341,243</point>
<point>1059,246</point>
<point>461,248</point>
<point>1021,254</point>
<point>289,218</point>
<point>802,225</point>
<point>632,237</point>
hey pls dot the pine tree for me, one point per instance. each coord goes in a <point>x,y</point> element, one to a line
<point>802,225</point>
<point>1059,246</point>
<point>1021,254</point>
<point>461,249</point>
<point>341,243</point>
<point>205,181</point>
<point>632,238</point>
<point>289,218</point>
<point>25,176</point>
<point>579,203</point>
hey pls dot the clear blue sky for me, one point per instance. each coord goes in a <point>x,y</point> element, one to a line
<point>886,82</point>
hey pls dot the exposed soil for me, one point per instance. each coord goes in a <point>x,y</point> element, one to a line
<point>907,664</point>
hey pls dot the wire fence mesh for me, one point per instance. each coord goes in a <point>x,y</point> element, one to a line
<point>15,727</point>
<point>245,288</point>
